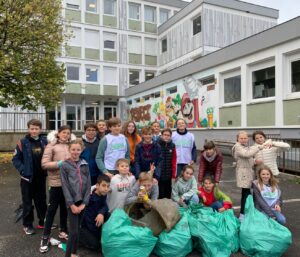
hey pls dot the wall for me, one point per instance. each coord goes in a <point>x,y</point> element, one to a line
<point>9,140</point>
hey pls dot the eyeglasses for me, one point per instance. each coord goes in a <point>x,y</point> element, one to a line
<point>91,130</point>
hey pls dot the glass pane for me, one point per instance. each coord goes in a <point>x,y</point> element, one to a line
<point>79,125</point>
<point>91,5</point>
<point>58,112</point>
<point>149,75</point>
<point>150,14</point>
<point>107,113</point>
<point>134,77</point>
<point>134,11</point>
<point>92,74</point>
<point>296,76</point>
<point>197,25</point>
<point>72,124</point>
<point>90,113</point>
<point>51,125</point>
<point>51,115</point>
<point>97,113</point>
<point>163,15</point>
<point>71,113</point>
<point>78,113</point>
<point>115,111</point>
<point>164,46</point>
<point>72,73</point>
<point>109,44</point>
<point>232,89</point>
<point>109,7</point>
<point>263,82</point>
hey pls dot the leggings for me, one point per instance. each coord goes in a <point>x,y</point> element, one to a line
<point>245,193</point>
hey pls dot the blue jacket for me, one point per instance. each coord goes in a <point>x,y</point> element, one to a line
<point>22,159</point>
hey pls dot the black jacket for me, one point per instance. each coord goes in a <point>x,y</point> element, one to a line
<point>168,163</point>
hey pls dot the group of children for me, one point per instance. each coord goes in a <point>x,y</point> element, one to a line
<point>124,168</point>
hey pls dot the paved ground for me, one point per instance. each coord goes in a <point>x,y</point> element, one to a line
<point>13,242</point>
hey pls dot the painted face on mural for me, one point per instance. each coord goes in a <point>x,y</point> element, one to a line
<point>188,112</point>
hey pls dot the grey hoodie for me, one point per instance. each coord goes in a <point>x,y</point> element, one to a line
<point>184,189</point>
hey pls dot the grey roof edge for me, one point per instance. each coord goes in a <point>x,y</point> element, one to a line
<point>173,3</point>
<point>232,4</point>
<point>273,36</point>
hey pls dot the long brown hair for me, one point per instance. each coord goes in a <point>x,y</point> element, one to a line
<point>125,131</point>
<point>273,181</point>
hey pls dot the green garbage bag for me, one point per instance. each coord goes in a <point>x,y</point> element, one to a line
<point>178,242</point>
<point>121,239</point>
<point>261,236</point>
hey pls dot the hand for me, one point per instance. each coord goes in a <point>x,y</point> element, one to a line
<point>222,209</point>
<point>204,199</point>
<point>181,202</point>
<point>141,196</point>
<point>99,220</point>
<point>191,162</point>
<point>81,207</point>
<point>152,168</point>
<point>109,175</point>
<point>259,161</point>
<point>75,209</point>
<point>277,208</point>
<point>155,181</point>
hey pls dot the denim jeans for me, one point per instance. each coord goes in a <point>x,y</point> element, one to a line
<point>217,205</point>
<point>279,217</point>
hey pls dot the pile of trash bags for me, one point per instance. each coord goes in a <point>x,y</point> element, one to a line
<point>178,231</point>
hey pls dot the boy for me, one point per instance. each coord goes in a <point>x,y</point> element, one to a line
<point>91,143</point>
<point>120,185</point>
<point>168,164</point>
<point>111,148</point>
<point>211,161</point>
<point>27,160</point>
<point>96,213</point>
<point>155,131</point>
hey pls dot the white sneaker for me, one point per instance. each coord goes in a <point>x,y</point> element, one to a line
<point>54,241</point>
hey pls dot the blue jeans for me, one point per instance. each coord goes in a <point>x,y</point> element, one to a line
<point>194,199</point>
<point>279,217</point>
<point>216,205</point>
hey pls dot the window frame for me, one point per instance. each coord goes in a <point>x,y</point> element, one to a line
<point>154,14</point>
<point>164,49</point>
<point>168,14</point>
<point>106,37</point>
<point>74,65</point>
<point>193,21</point>
<point>139,76</point>
<point>97,7</point>
<point>288,91</point>
<point>114,8</point>
<point>69,5</point>
<point>92,67</point>
<point>139,11</point>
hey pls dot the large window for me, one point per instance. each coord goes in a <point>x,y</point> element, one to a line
<point>163,15</point>
<point>150,46</point>
<point>75,39</point>
<point>263,83</point>
<point>72,72</point>
<point>134,77</point>
<point>150,14</point>
<point>109,7</point>
<point>110,40</point>
<point>91,74</point>
<point>134,11</point>
<point>134,45</point>
<point>164,45</point>
<point>73,4</point>
<point>110,76</point>
<point>91,39</point>
<point>232,89</point>
<point>73,117</point>
<point>197,25</point>
<point>149,75</point>
<point>295,74</point>
<point>91,6</point>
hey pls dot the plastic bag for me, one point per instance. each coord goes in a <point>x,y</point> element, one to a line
<point>178,242</point>
<point>120,238</point>
<point>261,236</point>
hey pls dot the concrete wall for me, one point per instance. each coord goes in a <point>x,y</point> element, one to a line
<point>9,140</point>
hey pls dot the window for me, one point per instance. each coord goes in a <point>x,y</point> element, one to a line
<point>164,45</point>
<point>110,40</point>
<point>110,76</point>
<point>149,75</point>
<point>156,94</point>
<point>134,45</point>
<point>172,90</point>
<point>137,100</point>
<point>91,6</point>
<point>232,89</point>
<point>134,77</point>
<point>75,39</point>
<point>73,4</point>
<point>109,112</point>
<point>129,102</point>
<point>150,46</point>
<point>91,39</point>
<point>295,74</point>
<point>134,11</point>
<point>91,74</point>
<point>109,7</point>
<point>197,25</point>
<point>150,14</point>
<point>207,80</point>
<point>73,117</point>
<point>72,72</point>
<point>263,83</point>
<point>163,15</point>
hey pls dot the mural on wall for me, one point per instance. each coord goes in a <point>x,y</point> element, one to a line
<point>141,115</point>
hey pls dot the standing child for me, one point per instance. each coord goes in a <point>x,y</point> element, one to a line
<point>185,146</point>
<point>267,195</point>
<point>185,190</point>
<point>91,143</point>
<point>244,156</point>
<point>76,185</point>
<point>120,185</point>
<point>213,197</point>
<point>211,160</point>
<point>111,148</point>
<point>27,160</point>
<point>147,155</point>
<point>168,164</point>
<point>155,131</point>
<point>101,129</point>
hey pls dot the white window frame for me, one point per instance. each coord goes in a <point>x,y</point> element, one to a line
<point>105,76</point>
<point>114,2</point>
<point>139,11</point>
<point>92,67</point>
<point>161,45</point>
<point>288,90</point>
<point>73,65</point>
<point>148,49</point>
<point>108,36</point>
<point>164,10</point>
<point>73,3</point>
<point>75,39</point>
<point>154,21</point>
<point>97,7</point>
<point>97,40</point>
<point>134,48</point>
<point>225,75</point>
<point>139,71</point>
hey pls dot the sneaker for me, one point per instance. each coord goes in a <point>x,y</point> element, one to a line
<point>28,230</point>
<point>40,227</point>
<point>63,235</point>
<point>241,217</point>
<point>44,247</point>
<point>54,226</point>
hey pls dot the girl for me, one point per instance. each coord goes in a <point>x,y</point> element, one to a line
<point>267,195</point>
<point>185,190</point>
<point>185,146</point>
<point>76,185</point>
<point>155,131</point>
<point>130,131</point>
<point>102,129</point>
<point>268,155</point>
<point>55,153</point>
<point>244,156</point>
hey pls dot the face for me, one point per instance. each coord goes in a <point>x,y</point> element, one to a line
<point>166,136</point>
<point>259,139</point>
<point>187,174</point>
<point>147,138</point>
<point>123,168</point>
<point>243,139</point>
<point>130,128</point>
<point>265,176</point>
<point>75,151</point>
<point>64,135</point>
<point>155,128</point>
<point>181,125</point>
<point>101,126</point>
<point>208,185</point>
<point>147,185</point>
<point>90,133</point>
<point>116,129</point>
<point>34,131</point>
<point>102,188</point>
<point>210,152</point>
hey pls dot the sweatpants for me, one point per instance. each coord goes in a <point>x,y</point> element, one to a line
<point>245,193</point>
<point>36,192</point>
<point>56,198</point>
<point>165,189</point>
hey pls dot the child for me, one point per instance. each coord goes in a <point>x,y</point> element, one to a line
<point>111,148</point>
<point>101,129</point>
<point>244,156</point>
<point>55,153</point>
<point>151,188</point>
<point>130,132</point>
<point>120,185</point>
<point>96,213</point>
<point>267,195</point>
<point>76,185</point>
<point>211,160</point>
<point>147,155</point>
<point>185,146</point>
<point>268,155</point>
<point>168,164</point>
<point>91,143</point>
<point>213,197</point>
<point>27,160</point>
<point>185,190</point>
<point>155,131</point>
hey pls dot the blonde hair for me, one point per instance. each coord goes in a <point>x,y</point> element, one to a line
<point>122,160</point>
<point>241,133</point>
<point>145,176</point>
<point>77,141</point>
<point>273,181</point>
